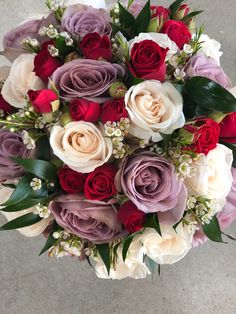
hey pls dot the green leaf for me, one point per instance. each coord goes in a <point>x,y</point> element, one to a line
<point>117,28</point>
<point>22,191</point>
<point>24,204</point>
<point>21,222</point>
<point>126,18</point>
<point>7,185</point>
<point>229,236</point>
<point>210,95</point>
<point>104,251</point>
<point>174,7</point>
<point>212,230</point>
<point>126,244</point>
<point>152,221</point>
<point>60,44</point>
<point>233,148</point>
<point>143,19</point>
<point>179,87</point>
<point>43,148</point>
<point>50,240</point>
<point>40,168</point>
<point>189,16</point>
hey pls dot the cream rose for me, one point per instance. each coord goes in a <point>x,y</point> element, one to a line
<point>20,80</point>
<point>213,178</point>
<point>154,108</point>
<point>133,267</point>
<point>169,248</point>
<point>81,146</point>
<point>161,39</point>
<point>30,231</point>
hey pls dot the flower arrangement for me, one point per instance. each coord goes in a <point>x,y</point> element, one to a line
<point>117,133</point>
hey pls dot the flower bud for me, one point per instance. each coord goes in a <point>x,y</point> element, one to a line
<point>118,90</point>
<point>182,12</point>
<point>186,137</point>
<point>191,25</point>
<point>65,118</point>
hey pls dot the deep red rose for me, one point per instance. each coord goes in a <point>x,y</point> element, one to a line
<point>206,135</point>
<point>228,128</point>
<point>160,12</point>
<point>178,32</point>
<point>147,61</point>
<point>113,110</point>
<point>100,184</point>
<point>42,100</point>
<point>71,181</point>
<point>5,106</point>
<point>132,218</point>
<point>95,46</point>
<point>46,44</point>
<point>82,109</point>
<point>45,64</point>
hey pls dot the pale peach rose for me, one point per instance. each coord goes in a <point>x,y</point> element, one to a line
<point>81,146</point>
<point>30,231</point>
<point>154,108</point>
<point>20,80</point>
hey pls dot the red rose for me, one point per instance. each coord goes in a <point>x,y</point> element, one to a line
<point>42,100</point>
<point>205,135</point>
<point>82,109</point>
<point>160,12</point>
<point>228,128</point>
<point>182,12</point>
<point>178,32</point>
<point>45,64</point>
<point>100,184</point>
<point>132,218</point>
<point>5,106</point>
<point>113,110</point>
<point>71,181</point>
<point>95,46</point>
<point>147,61</point>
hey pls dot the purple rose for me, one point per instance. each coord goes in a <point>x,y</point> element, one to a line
<point>151,184</point>
<point>79,20</point>
<point>11,145</point>
<point>12,41</point>
<point>86,78</point>
<point>226,216</point>
<point>200,65</point>
<point>94,221</point>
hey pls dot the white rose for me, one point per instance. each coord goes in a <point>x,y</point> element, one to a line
<point>213,178</point>
<point>169,248</point>
<point>133,267</point>
<point>30,231</point>
<point>154,108</point>
<point>20,80</point>
<point>161,39</point>
<point>81,146</point>
<point>211,47</point>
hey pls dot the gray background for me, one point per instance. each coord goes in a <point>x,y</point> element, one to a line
<point>204,282</point>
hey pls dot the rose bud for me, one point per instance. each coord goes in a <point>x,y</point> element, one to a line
<point>100,183</point>
<point>84,110</point>
<point>228,128</point>
<point>159,16</point>
<point>45,64</point>
<point>177,32</point>
<point>65,118</point>
<point>113,110</point>
<point>205,133</point>
<point>44,101</point>
<point>71,181</point>
<point>118,90</point>
<point>95,46</point>
<point>181,12</point>
<point>132,218</point>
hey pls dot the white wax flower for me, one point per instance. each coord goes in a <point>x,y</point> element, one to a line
<point>210,47</point>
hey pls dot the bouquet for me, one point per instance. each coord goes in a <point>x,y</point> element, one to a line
<point>117,135</point>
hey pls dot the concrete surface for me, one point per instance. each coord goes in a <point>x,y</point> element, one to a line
<point>204,282</point>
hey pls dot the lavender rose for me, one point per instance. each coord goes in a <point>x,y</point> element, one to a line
<point>11,145</point>
<point>12,41</point>
<point>86,78</point>
<point>151,184</point>
<point>200,65</point>
<point>94,221</point>
<point>79,20</point>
